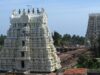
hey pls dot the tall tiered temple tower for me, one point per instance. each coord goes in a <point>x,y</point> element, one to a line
<point>29,45</point>
<point>93,29</point>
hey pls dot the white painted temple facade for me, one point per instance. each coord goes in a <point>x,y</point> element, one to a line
<point>29,45</point>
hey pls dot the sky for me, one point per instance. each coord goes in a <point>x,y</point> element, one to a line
<point>64,16</point>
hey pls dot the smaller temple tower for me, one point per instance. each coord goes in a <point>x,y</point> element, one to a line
<point>93,29</point>
<point>29,44</point>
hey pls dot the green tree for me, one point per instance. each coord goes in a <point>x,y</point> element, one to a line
<point>78,40</point>
<point>57,38</point>
<point>88,62</point>
<point>66,39</point>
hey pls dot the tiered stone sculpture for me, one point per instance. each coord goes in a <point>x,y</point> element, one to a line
<point>29,45</point>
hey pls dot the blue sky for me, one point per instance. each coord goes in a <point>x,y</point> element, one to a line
<point>64,16</point>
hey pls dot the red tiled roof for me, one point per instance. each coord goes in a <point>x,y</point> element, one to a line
<point>80,71</point>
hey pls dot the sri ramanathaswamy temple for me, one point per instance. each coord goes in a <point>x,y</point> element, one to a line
<point>29,44</point>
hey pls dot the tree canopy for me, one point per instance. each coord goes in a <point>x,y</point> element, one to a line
<point>67,39</point>
<point>88,62</point>
<point>57,38</point>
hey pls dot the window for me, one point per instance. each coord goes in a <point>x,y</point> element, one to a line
<point>22,54</point>
<point>23,43</point>
<point>22,64</point>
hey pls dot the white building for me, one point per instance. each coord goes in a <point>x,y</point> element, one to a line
<point>29,45</point>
